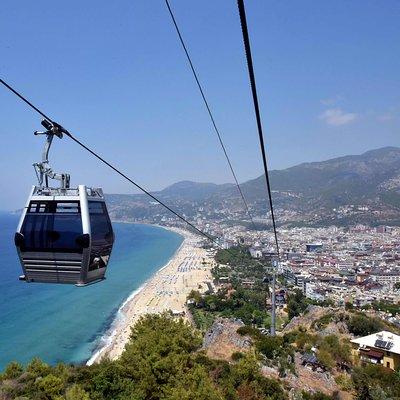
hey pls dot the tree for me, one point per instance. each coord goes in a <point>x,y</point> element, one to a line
<point>248,381</point>
<point>161,361</point>
<point>195,295</point>
<point>193,385</point>
<point>110,379</point>
<point>37,368</point>
<point>303,340</point>
<point>158,353</point>
<point>296,304</point>
<point>270,346</point>
<point>51,386</point>
<point>75,392</point>
<point>373,382</point>
<point>333,350</point>
<point>377,393</point>
<point>237,355</point>
<point>361,325</point>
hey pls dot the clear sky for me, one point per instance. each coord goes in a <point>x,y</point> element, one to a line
<point>114,74</point>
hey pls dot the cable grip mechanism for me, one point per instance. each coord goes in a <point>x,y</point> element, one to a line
<point>43,169</point>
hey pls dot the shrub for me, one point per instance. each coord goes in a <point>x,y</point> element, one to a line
<point>326,359</point>
<point>75,392</point>
<point>323,322</point>
<point>38,368</point>
<point>51,386</point>
<point>375,382</point>
<point>237,355</point>
<point>13,370</point>
<point>344,382</point>
<point>249,331</point>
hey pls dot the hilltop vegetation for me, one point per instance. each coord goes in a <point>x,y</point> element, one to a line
<point>245,296</point>
<point>318,331</point>
<point>161,361</point>
<point>237,301</point>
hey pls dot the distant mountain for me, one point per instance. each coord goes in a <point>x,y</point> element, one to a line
<point>193,190</point>
<point>339,180</point>
<point>311,192</point>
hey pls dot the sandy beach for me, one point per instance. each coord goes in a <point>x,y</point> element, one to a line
<point>166,290</point>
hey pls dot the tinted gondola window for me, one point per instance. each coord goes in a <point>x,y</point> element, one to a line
<point>100,224</point>
<point>101,234</point>
<point>52,226</point>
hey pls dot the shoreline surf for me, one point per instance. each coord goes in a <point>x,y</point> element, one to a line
<point>165,290</point>
<point>89,316</point>
<point>107,337</point>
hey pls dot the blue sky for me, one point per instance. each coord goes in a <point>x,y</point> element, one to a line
<point>114,74</point>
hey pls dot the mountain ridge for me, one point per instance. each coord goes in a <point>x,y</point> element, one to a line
<point>290,169</point>
<point>371,179</point>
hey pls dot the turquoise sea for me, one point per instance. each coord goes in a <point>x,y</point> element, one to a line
<point>67,323</point>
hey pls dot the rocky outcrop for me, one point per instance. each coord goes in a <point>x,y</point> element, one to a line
<point>222,339</point>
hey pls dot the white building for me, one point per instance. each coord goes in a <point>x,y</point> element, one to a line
<point>379,348</point>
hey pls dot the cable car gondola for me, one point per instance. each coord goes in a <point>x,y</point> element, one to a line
<point>64,234</point>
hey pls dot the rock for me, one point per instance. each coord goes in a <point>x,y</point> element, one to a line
<point>222,339</point>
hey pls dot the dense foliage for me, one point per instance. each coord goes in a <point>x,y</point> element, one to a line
<point>386,306</point>
<point>234,256</point>
<point>241,266</point>
<point>161,361</point>
<point>241,300</point>
<point>374,382</point>
<point>331,350</point>
<point>362,325</point>
<point>247,305</point>
<point>297,303</point>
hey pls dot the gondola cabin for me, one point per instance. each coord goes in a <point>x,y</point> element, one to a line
<point>64,236</point>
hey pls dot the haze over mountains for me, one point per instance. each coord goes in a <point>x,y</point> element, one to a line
<point>356,188</point>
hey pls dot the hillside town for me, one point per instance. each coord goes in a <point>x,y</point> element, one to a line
<point>358,264</point>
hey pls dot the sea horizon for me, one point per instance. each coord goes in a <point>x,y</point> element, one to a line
<point>88,314</point>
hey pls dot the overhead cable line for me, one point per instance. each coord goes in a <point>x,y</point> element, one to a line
<point>64,131</point>
<point>246,41</point>
<point>24,100</point>
<point>210,113</point>
<point>141,188</point>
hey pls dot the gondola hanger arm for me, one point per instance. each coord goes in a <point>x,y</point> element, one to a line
<point>43,169</point>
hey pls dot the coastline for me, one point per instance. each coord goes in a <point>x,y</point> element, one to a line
<point>189,268</point>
